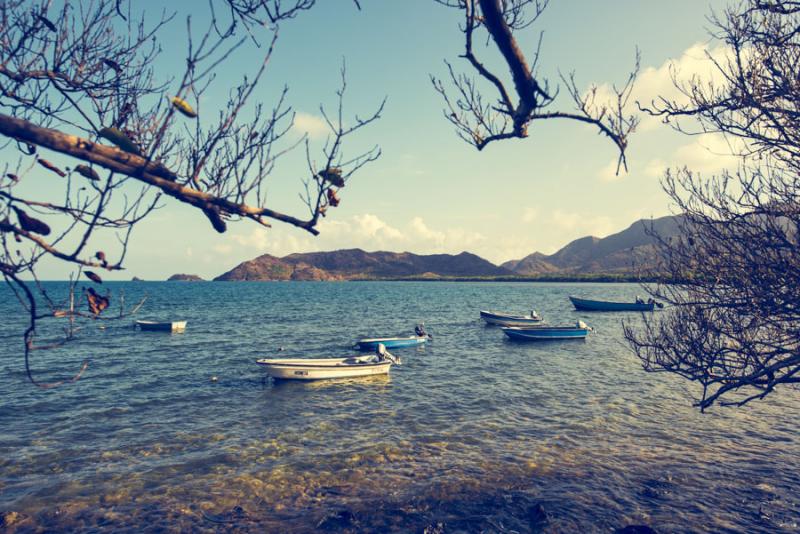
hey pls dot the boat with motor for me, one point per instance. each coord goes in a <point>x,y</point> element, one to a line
<point>606,305</point>
<point>325,368</point>
<point>507,319</point>
<point>539,333</point>
<point>420,337</point>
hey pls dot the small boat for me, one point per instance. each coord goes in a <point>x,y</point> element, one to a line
<point>391,342</point>
<point>323,368</point>
<point>169,326</point>
<point>420,337</point>
<point>505,319</point>
<point>604,305</point>
<point>538,333</point>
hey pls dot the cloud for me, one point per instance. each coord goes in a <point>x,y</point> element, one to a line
<point>708,153</point>
<point>529,215</point>
<point>314,126</point>
<point>609,172</point>
<point>654,83</point>
<point>367,231</point>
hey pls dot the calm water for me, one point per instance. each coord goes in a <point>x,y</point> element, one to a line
<point>473,433</point>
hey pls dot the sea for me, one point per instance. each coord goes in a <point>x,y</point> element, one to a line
<point>472,433</point>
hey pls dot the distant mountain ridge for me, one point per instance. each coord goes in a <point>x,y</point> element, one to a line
<point>355,264</point>
<point>616,254</point>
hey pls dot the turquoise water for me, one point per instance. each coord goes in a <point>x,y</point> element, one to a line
<point>474,432</point>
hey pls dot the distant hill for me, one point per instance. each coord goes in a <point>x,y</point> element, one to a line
<point>354,264</point>
<point>185,278</point>
<point>617,253</point>
<point>267,267</point>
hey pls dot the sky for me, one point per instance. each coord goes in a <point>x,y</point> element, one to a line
<point>430,192</point>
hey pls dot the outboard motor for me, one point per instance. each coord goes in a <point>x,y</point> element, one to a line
<point>384,354</point>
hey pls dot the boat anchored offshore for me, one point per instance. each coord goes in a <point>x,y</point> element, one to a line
<point>324,368</point>
<point>605,305</point>
<point>420,337</point>
<point>539,333</point>
<point>168,326</point>
<point>506,319</point>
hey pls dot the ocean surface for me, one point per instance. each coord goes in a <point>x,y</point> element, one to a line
<point>473,433</point>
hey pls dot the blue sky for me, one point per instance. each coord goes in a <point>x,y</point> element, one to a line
<point>430,192</point>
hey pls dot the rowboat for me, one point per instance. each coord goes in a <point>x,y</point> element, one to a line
<point>420,336</point>
<point>538,333</point>
<point>604,305</point>
<point>505,319</point>
<point>391,342</point>
<point>324,368</point>
<point>169,326</point>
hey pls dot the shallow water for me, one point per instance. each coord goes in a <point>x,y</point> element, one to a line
<point>474,433</point>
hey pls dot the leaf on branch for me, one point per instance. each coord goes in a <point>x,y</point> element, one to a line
<point>333,199</point>
<point>120,139</point>
<point>332,175</point>
<point>93,277</point>
<point>112,65</point>
<point>29,224</point>
<point>97,302</point>
<point>60,313</point>
<point>13,177</point>
<point>44,20</point>
<point>87,172</point>
<point>50,167</point>
<point>216,219</point>
<point>184,107</point>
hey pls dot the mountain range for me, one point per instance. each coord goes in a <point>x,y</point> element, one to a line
<point>616,254</point>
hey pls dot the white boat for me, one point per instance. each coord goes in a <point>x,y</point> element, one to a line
<point>169,326</point>
<point>324,368</point>
<point>506,319</point>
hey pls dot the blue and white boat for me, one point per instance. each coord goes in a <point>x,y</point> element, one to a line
<point>507,319</point>
<point>539,333</point>
<point>420,337</point>
<point>391,342</point>
<point>605,305</point>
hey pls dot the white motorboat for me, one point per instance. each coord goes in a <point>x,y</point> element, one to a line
<point>324,368</point>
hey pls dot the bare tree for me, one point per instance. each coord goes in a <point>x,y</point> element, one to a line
<point>80,80</point>
<point>507,114</point>
<point>732,275</point>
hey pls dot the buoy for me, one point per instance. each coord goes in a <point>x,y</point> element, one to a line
<point>214,378</point>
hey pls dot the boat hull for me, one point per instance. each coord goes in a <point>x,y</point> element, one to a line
<point>153,326</point>
<point>509,320</point>
<point>392,342</point>
<point>545,333</point>
<point>322,369</point>
<point>602,305</point>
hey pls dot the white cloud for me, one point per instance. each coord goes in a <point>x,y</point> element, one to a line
<point>609,172</point>
<point>654,83</point>
<point>314,126</point>
<point>708,153</point>
<point>529,215</point>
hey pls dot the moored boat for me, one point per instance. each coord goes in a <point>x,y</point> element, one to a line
<point>168,326</point>
<point>605,305</point>
<point>539,333</point>
<point>507,319</point>
<point>420,337</point>
<point>391,342</point>
<point>324,368</point>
